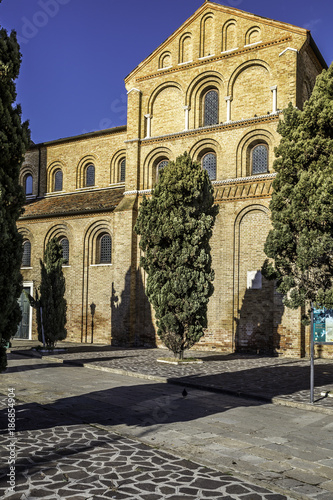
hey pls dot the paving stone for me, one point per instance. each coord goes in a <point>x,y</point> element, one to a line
<point>187,490</point>
<point>251,496</point>
<point>305,477</point>
<point>210,494</point>
<point>306,489</point>
<point>181,497</point>
<point>167,490</point>
<point>141,477</point>
<point>14,496</point>
<point>55,486</point>
<point>236,489</point>
<point>129,490</point>
<point>274,496</point>
<point>115,494</point>
<point>160,473</point>
<point>147,486</point>
<point>80,497</point>
<point>152,497</point>
<point>39,493</point>
<point>80,474</point>
<point>77,486</point>
<point>208,484</point>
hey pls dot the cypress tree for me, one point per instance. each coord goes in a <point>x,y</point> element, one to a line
<point>14,140</point>
<point>52,303</point>
<point>301,241</point>
<point>175,225</point>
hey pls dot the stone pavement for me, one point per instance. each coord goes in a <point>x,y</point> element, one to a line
<point>82,462</point>
<point>279,449</point>
<point>279,380</point>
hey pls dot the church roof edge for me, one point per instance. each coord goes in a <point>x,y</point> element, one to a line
<point>208,4</point>
<point>88,135</point>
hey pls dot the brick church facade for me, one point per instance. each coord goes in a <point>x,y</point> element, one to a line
<point>214,88</point>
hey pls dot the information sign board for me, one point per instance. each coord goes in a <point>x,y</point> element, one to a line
<point>323,325</point>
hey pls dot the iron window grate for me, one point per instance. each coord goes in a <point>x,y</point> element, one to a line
<point>105,249</point>
<point>259,159</point>
<point>211,108</point>
<point>209,164</point>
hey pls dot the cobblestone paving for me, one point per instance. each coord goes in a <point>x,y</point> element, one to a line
<point>82,462</point>
<point>281,380</point>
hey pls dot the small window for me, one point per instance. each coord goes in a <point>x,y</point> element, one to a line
<point>105,249</point>
<point>58,180</point>
<point>28,185</point>
<point>90,175</point>
<point>259,159</point>
<point>122,170</point>
<point>209,164</point>
<point>65,249</point>
<point>26,257</point>
<point>211,108</point>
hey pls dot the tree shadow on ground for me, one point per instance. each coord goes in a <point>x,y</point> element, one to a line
<point>265,382</point>
<point>140,405</point>
<point>74,362</point>
<point>143,404</point>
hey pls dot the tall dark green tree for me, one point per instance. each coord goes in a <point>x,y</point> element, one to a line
<point>51,304</point>
<point>175,225</point>
<point>301,241</point>
<point>14,140</point>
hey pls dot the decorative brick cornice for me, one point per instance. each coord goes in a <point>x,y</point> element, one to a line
<point>254,186</point>
<point>259,186</point>
<point>138,192</point>
<point>213,128</point>
<point>209,60</point>
<point>250,178</point>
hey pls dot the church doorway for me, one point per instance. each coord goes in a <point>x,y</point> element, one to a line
<point>24,328</point>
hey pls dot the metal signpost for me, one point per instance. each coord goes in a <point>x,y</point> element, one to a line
<point>321,334</point>
<point>312,359</point>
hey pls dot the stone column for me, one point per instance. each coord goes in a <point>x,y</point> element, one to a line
<point>187,117</point>
<point>148,117</point>
<point>228,99</point>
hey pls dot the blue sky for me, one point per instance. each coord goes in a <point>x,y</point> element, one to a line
<point>76,53</point>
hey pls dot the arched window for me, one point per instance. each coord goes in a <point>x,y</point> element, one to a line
<point>259,159</point>
<point>160,166</point>
<point>209,164</point>
<point>122,170</point>
<point>211,108</point>
<point>90,175</point>
<point>26,257</point>
<point>28,182</point>
<point>58,180</point>
<point>65,249</point>
<point>105,249</point>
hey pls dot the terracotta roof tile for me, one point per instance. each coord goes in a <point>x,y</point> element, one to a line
<point>75,203</point>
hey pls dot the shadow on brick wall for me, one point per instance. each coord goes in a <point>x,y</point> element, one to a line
<point>260,314</point>
<point>131,321</point>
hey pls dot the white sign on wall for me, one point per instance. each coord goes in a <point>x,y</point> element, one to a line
<point>254,280</point>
